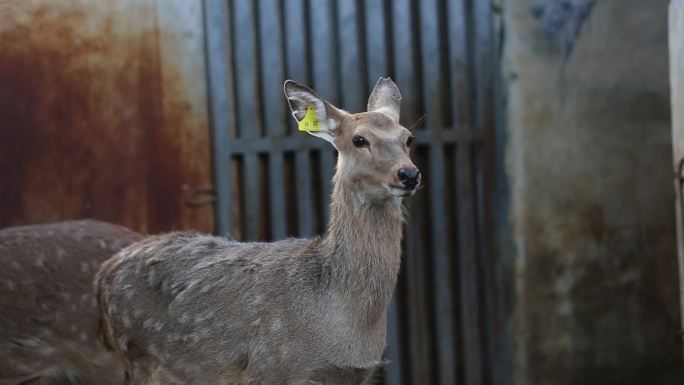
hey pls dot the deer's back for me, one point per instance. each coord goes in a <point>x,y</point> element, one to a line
<point>206,309</point>
<point>48,313</point>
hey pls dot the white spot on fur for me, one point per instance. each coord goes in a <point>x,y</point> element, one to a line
<point>184,318</point>
<point>148,323</point>
<point>126,320</point>
<point>39,263</point>
<point>152,261</point>
<point>276,325</point>
<point>128,292</point>
<point>256,300</point>
<point>204,316</point>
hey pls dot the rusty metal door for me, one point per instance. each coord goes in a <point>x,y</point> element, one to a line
<point>103,113</point>
<point>273,182</point>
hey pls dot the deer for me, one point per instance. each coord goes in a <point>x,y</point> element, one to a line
<point>187,308</point>
<point>49,320</point>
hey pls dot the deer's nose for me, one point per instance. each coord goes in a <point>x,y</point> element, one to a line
<point>409,177</point>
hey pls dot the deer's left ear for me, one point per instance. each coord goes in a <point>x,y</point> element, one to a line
<point>301,98</point>
<point>385,98</point>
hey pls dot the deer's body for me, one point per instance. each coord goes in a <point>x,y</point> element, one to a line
<point>48,315</point>
<point>197,309</point>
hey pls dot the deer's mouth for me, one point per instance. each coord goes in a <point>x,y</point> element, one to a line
<point>400,192</point>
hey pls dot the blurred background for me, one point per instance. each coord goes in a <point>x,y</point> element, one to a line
<point>543,248</point>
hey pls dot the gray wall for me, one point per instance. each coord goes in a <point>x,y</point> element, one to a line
<point>676,38</point>
<point>591,211</point>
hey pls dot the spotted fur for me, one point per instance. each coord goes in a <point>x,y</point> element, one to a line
<point>48,314</point>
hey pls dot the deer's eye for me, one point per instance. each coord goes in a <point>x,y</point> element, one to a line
<point>359,141</point>
<point>409,141</point>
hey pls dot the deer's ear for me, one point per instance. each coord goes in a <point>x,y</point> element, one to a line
<point>385,98</point>
<point>300,98</point>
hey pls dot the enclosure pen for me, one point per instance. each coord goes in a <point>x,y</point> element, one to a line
<point>273,183</point>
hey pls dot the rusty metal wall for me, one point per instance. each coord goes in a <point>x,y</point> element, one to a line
<point>273,182</point>
<point>103,112</point>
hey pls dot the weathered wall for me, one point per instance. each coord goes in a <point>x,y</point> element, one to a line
<point>592,204</point>
<point>676,39</point>
<point>103,112</point>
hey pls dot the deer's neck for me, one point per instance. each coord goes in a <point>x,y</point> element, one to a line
<point>363,250</point>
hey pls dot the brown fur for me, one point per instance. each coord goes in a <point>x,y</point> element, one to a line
<point>48,317</point>
<point>195,309</point>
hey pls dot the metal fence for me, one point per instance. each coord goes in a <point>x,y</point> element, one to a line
<point>273,182</point>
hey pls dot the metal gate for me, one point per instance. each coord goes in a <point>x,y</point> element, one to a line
<point>273,182</point>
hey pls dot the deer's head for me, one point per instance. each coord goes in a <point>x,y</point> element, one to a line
<point>373,146</point>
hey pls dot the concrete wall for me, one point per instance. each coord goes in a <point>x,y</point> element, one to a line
<point>592,217</point>
<point>676,39</point>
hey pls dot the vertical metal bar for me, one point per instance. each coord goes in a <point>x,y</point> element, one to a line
<point>485,174</point>
<point>324,65</point>
<point>251,211</point>
<point>442,285</point>
<point>393,369</point>
<point>498,363</point>
<point>433,94</point>
<point>248,112</point>
<point>404,56</point>
<point>274,107</point>
<point>376,43</point>
<point>456,27</point>
<point>296,53</point>
<point>246,66</point>
<point>482,52</point>
<point>467,252</point>
<point>277,194</point>
<point>430,64</point>
<point>351,56</point>
<point>221,102</point>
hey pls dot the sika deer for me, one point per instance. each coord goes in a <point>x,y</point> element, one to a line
<point>195,309</point>
<point>48,315</point>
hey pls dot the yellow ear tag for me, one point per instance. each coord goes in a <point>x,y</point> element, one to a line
<point>310,123</point>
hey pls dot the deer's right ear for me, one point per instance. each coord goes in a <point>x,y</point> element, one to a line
<point>300,98</point>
